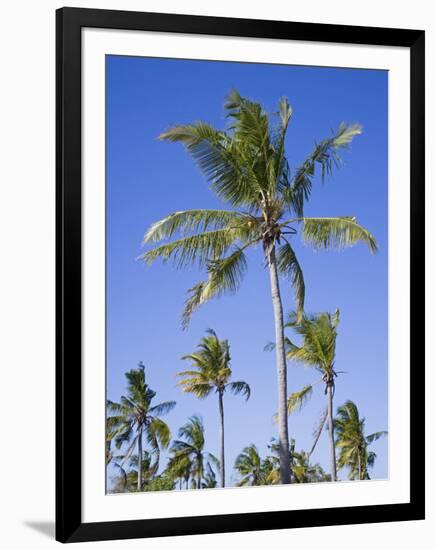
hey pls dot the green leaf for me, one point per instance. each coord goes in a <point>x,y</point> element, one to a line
<point>336,233</point>
<point>298,399</point>
<point>193,221</point>
<point>287,264</point>
<point>325,154</point>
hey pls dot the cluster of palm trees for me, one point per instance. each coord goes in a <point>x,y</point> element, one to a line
<point>247,168</point>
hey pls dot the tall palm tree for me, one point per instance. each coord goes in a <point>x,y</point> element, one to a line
<point>248,170</point>
<point>191,449</point>
<point>317,350</point>
<point>352,442</point>
<point>212,372</point>
<point>135,417</point>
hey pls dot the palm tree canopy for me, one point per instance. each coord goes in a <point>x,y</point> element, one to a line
<point>352,442</point>
<point>136,414</point>
<point>247,168</point>
<point>251,467</point>
<point>211,369</point>
<point>319,334</point>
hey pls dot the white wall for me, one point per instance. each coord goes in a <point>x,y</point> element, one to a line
<point>27,269</point>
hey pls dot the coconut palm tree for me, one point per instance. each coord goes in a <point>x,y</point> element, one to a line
<point>135,417</point>
<point>352,443</point>
<point>209,479</point>
<point>247,168</point>
<point>306,472</point>
<point>302,470</point>
<point>179,467</point>
<point>251,467</point>
<point>212,373</point>
<point>317,350</point>
<point>191,449</point>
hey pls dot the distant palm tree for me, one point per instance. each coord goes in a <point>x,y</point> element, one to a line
<point>190,450</point>
<point>209,479</point>
<point>179,467</point>
<point>318,350</point>
<point>251,467</point>
<point>306,472</point>
<point>213,372</point>
<point>247,168</point>
<point>135,417</point>
<point>302,470</point>
<point>352,442</point>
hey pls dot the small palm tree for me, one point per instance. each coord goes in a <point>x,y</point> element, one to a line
<point>179,467</point>
<point>247,168</point>
<point>306,472</point>
<point>302,470</point>
<point>250,466</point>
<point>352,442</point>
<point>318,350</point>
<point>212,372</point>
<point>190,450</point>
<point>135,417</point>
<point>209,479</point>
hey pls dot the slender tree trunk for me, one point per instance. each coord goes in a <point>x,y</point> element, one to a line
<point>331,431</point>
<point>222,465</point>
<point>359,464</point>
<point>285,464</point>
<point>140,460</point>
<point>200,471</point>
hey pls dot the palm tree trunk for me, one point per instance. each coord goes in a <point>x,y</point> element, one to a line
<point>222,466</point>
<point>140,460</point>
<point>285,468</point>
<point>331,431</point>
<point>359,465</point>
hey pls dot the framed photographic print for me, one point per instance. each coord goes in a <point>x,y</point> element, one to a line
<point>240,274</point>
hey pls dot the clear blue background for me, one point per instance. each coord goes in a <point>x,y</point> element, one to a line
<point>148,179</point>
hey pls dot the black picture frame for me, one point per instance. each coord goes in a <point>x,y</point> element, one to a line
<point>69,525</point>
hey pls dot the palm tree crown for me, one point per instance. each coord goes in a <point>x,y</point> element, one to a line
<point>247,168</point>
<point>352,442</point>
<point>250,466</point>
<point>212,371</point>
<point>135,417</point>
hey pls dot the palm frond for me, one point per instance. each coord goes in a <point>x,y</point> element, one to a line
<point>375,436</point>
<point>336,233</point>
<point>192,221</point>
<point>224,276</point>
<point>325,154</point>
<point>159,431</point>
<point>162,408</point>
<point>198,248</point>
<point>288,265</point>
<point>299,398</point>
<point>219,158</point>
<point>240,387</point>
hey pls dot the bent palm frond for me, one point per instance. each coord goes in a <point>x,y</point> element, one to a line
<point>325,154</point>
<point>192,221</point>
<point>336,233</point>
<point>287,264</point>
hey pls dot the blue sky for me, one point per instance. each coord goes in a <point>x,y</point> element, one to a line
<point>148,179</point>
